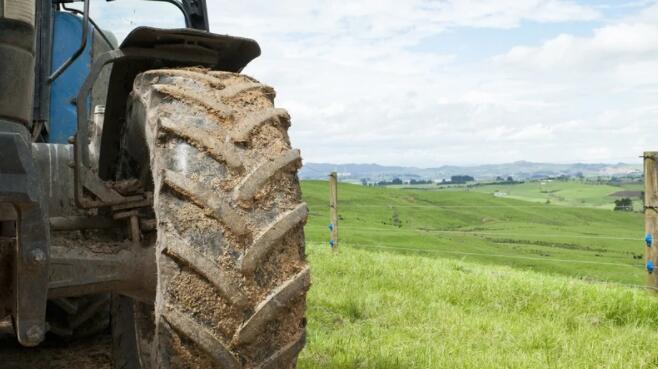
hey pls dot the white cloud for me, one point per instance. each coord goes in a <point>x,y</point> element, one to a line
<point>359,89</point>
<point>620,42</point>
<point>606,87</point>
<point>505,14</point>
<point>348,73</point>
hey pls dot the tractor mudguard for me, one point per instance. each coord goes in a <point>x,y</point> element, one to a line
<point>150,48</point>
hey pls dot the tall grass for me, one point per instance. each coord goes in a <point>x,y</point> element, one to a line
<point>380,310</point>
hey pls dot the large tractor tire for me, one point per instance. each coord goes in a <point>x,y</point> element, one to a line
<point>78,317</point>
<point>232,276</point>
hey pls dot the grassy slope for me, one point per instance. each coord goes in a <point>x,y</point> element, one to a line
<point>378,310</point>
<point>552,239</point>
<point>569,193</point>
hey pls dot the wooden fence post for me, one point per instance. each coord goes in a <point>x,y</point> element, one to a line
<point>333,210</point>
<point>651,217</point>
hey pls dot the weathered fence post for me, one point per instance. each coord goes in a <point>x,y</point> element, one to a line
<point>650,216</point>
<point>333,210</point>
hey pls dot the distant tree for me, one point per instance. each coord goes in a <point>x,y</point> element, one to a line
<point>510,179</point>
<point>395,181</point>
<point>461,179</point>
<point>420,182</point>
<point>364,181</point>
<point>624,204</point>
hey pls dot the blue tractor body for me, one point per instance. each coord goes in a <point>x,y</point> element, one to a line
<point>67,32</point>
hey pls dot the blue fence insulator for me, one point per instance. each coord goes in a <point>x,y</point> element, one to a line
<point>331,227</point>
<point>648,239</point>
<point>331,243</point>
<point>650,266</point>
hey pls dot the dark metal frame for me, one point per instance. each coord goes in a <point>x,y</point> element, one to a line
<point>42,271</point>
<point>21,187</point>
<point>145,48</point>
<point>83,43</point>
<point>44,29</point>
<point>97,28</point>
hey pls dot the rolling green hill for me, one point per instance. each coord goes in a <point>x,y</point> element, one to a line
<point>439,279</point>
<point>580,242</point>
<point>567,193</point>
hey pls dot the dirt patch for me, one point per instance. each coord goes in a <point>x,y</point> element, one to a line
<point>93,353</point>
<point>626,194</point>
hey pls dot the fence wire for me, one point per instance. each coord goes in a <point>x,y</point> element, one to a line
<point>490,233</point>
<point>429,206</point>
<point>347,204</point>
<point>591,281</point>
<point>535,258</point>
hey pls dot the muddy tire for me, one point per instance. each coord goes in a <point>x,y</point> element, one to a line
<point>232,276</point>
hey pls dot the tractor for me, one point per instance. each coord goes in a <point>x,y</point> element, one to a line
<point>148,189</point>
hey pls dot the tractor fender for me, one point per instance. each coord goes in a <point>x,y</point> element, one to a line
<point>148,48</point>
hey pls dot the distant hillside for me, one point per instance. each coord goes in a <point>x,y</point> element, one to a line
<point>518,170</point>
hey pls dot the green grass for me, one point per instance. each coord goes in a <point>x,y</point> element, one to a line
<point>584,243</point>
<point>454,279</point>
<point>566,193</point>
<point>380,310</point>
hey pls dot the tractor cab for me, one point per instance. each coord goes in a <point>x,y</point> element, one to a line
<point>71,39</point>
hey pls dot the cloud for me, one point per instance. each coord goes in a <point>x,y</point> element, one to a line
<point>506,14</point>
<point>606,86</point>
<point>354,84</point>
<point>360,88</point>
<point>616,43</point>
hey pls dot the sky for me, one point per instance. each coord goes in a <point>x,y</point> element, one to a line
<point>463,82</point>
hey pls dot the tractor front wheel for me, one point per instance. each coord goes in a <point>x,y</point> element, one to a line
<point>232,276</point>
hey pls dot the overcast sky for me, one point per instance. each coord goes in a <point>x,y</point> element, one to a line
<point>428,83</point>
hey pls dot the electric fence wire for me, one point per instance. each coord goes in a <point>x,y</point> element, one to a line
<point>478,233</point>
<point>641,266</point>
<point>522,236</point>
<point>471,206</point>
<point>545,206</point>
<point>416,250</point>
<point>452,252</point>
<point>464,253</point>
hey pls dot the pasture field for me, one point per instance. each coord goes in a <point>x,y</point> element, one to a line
<point>442,279</point>
<point>369,310</point>
<point>566,193</point>
<point>580,242</point>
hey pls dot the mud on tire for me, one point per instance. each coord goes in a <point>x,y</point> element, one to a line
<point>232,276</point>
